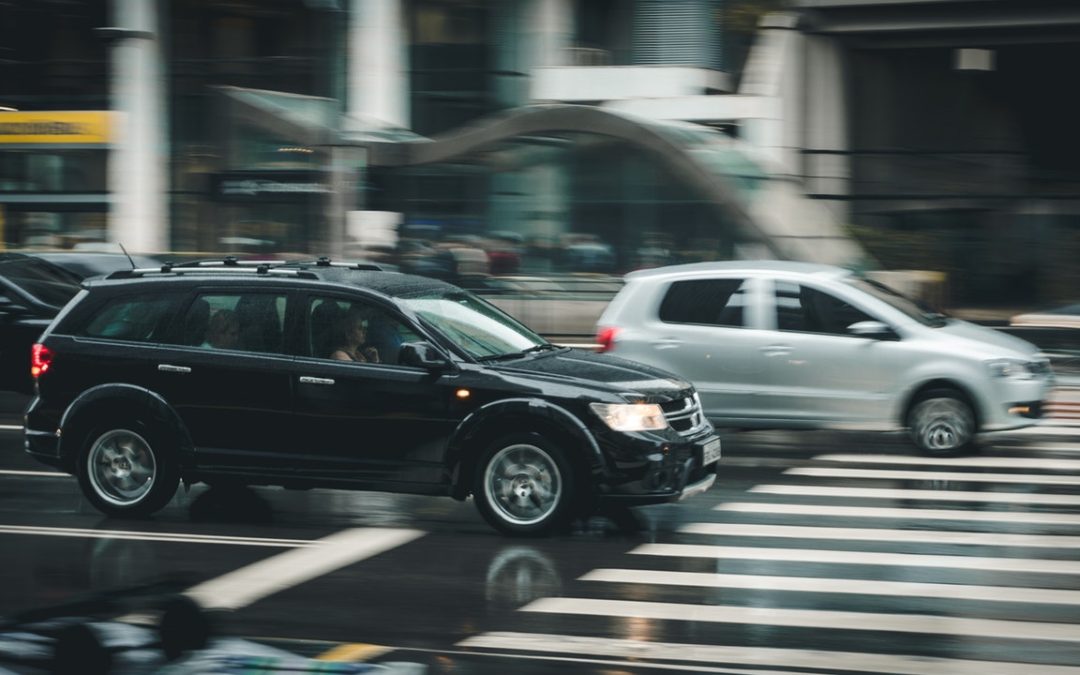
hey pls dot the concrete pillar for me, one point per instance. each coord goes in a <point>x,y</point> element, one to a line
<point>378,78</point>
<point>825,125</point>
<point>138,160</point>
<point>551,25</point>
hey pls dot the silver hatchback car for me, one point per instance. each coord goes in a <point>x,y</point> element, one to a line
<point>782,344</point>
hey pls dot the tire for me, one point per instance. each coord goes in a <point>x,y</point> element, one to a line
<point>942,423</point>
<point>127,469</point>
<point>525,485</point>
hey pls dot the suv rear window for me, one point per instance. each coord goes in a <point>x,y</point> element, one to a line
<point>132,318</point>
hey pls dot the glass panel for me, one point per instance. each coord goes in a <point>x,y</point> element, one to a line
<point>133,319</point>
<point>713,302</point>
<point>251,322</point>
<point>354,331</point>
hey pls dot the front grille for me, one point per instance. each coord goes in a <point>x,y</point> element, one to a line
<point>684,415</point>
<point>1039,367</point>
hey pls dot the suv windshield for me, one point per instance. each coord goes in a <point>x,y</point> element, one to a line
<point>909,307</point>
<point>43,281</point>
<point>480,329</point>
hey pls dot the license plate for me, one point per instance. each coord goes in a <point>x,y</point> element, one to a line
<point>710,452</point>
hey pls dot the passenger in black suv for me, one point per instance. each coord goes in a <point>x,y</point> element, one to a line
<point>465,400</point>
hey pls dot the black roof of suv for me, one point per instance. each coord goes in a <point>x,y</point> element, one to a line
<point>313,374</point>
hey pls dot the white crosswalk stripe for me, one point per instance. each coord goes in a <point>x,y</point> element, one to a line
<point>1003,568</point>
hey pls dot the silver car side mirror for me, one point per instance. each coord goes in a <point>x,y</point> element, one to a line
<point>875,330</point>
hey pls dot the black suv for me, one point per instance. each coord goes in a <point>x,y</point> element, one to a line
<point>447,395</point>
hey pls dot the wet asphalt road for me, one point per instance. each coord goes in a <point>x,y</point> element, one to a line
<point>817,552</point>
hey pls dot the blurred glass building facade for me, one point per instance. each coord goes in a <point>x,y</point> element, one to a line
<point>551,135</point>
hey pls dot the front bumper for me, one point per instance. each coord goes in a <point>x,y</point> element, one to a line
<point>660,471</point>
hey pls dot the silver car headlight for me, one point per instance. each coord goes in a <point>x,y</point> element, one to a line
<point>1014,369</point>
<point>630,416</point>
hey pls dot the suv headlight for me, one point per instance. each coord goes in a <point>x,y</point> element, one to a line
<point>1012,368</point>
<point>630,416</point>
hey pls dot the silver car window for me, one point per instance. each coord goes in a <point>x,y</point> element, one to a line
<point>709,302</point>
<point>804,309</point>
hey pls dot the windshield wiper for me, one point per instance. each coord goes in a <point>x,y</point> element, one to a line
<point>547,346</point>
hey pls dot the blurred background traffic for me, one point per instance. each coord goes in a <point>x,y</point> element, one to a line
<point>536,150</point>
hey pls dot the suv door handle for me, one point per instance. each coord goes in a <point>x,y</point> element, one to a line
<point>776,350</point>
<point>166,368</point>
<point>305,379</point>
<point>666,343</point>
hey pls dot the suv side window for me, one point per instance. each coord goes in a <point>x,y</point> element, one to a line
<point>808,310</point>
<point>251,322</point>
<point>133,318</point>
<point>712,302</point>
<point>332,325</point>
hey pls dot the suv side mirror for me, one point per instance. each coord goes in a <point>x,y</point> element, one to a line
<point>421,355</point>
<point>875,330</point>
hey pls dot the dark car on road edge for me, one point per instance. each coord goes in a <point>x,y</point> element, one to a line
<point>457,398</point>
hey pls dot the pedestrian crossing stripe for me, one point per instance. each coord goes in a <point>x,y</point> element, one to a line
<point>883,535</point>
<point>800,584</point>
<point>997,629</point>
<point>907,514</point>
<point>954,476</point>
<point>641,653</point>
<point>928,495</point>
<point>838,557</point>
<point>1040,463</point>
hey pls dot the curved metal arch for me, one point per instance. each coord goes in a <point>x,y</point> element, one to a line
<point>549,118</point>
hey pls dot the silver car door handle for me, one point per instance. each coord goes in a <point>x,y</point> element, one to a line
<point>776,350</point>
<point>304,379</point>
<point>167,368</point>
<point>666,343</point>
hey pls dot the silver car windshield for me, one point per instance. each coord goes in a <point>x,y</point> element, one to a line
<point>898,301</point>
<point>482,330</point>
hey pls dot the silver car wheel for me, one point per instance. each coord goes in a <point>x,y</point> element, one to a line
<point>121,467</point>
<point>523,484</point>
<point>942,424</point>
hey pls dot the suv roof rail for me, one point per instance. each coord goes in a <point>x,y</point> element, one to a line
<point>299,268</point>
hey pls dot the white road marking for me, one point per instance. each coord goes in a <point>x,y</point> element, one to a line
<point>903,589</point>
<point>51,474</point>
<point>635,652</point>
<point>154,536</point>
<point>827,556</point>
<point>981,462</point>
<point>930,495</point>
<point>906,514</point>
<point>266,577</point>
<point>883,535</point>
<point>958,476</point>
<point>11,427</point>
<point>811,618</point>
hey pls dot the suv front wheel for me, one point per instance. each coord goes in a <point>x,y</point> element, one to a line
<point>124,470</point>
<point>524,485</point>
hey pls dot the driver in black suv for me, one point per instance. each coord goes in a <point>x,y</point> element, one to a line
<point>463,399</point>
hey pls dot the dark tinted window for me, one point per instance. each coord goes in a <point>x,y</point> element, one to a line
<point>333,333</point>
<point>808,310</point>
<point>133,318</point>
<point>45,282</point>
<point>712,302</point>
<point>251,322</point>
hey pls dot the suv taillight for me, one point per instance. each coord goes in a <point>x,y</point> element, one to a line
<point>605,337</point>
<point>40,359</point>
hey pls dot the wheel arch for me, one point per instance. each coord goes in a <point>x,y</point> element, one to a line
<point>94,404</point>
<point>940,383</point>
<point>514,415</point>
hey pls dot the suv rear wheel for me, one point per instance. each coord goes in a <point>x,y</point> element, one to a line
<point>124,469</point>
<point>524,485</point>
<point>942,422</point>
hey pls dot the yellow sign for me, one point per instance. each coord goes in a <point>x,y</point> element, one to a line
<point>56,127</point>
